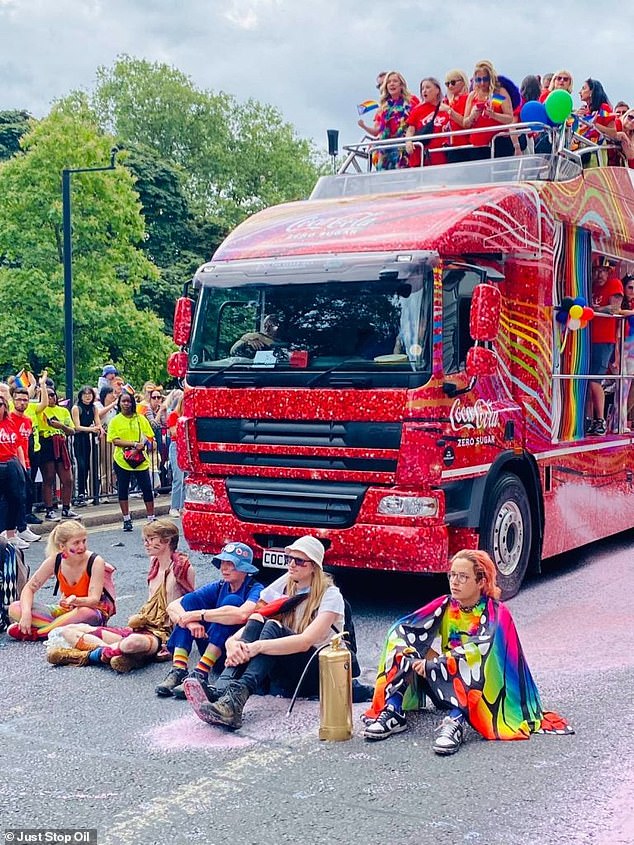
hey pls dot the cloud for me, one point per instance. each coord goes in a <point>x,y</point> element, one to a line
<point>313,61</point>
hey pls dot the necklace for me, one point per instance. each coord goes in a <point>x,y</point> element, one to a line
<point>455,627</point>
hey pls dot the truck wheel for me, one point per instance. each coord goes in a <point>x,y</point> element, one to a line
<point>506,532</point>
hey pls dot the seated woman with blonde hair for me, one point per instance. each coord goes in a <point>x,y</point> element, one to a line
<point>480,675</point>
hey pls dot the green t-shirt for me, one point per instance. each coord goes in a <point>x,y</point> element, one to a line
<point>134,428</point>
<point>53,412</point>
<point>30,413</point>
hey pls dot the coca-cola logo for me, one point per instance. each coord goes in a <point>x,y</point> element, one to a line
<point>481,414</point>
<point>318,226</point>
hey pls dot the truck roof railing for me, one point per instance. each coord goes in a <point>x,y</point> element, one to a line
<point>568,151</point>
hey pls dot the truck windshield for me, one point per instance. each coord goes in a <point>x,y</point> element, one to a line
<point>377,327</point>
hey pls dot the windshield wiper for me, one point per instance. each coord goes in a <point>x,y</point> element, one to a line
<point>320,376</point>
<point>215,376</point>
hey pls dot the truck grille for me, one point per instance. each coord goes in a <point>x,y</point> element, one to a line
<point>303,503</point>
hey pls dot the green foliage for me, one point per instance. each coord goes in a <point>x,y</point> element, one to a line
<point>108,266</point>
<point>13,125</point>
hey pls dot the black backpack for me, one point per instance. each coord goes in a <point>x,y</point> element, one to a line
<point>14,573</point>
<point>351,638</point>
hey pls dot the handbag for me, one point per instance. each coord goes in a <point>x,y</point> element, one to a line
<point>134,457</point>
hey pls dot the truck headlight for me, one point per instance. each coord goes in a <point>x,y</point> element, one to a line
<point>201,493</point>
<point>408,506</point>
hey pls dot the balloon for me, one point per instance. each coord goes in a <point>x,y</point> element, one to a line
<point>558,105</point>
<point>573,324</point>
<point>562,317</point>
<point>588,314</point>
<point>584,323</point>
<point>533,111</point>
<point>567,302</point>
<point>575,312</point>
<point>581,300</point>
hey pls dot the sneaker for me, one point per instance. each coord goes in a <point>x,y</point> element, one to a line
<point>68,513</point>
<point>124,663</point>
<point>31,637</point>
<point>127,524</point>
<point>18,542</point>
<point>195,674</point>
<point>599,428</point>
<point>174,513</point>
<point>450,736</point>
<point>151,518</point>
<point>388,722</point>
<point>172,680</point>
<point>68,657</point>
<point>29,536</point>
<point>33,519</point>
<point>52,515</point>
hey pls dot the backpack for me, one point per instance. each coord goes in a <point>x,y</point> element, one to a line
<point>351,638</point>
<point>14,573</point>
<point>109,592</point>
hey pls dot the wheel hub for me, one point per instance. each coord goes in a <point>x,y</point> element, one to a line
<point>508,538</point>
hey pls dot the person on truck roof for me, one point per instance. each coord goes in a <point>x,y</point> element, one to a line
<point>479,677</point>
<point>390,120</point>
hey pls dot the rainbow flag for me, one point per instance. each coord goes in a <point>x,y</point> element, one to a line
<point>366,106</point>
<point>498,98</point>
<point>22,379</point>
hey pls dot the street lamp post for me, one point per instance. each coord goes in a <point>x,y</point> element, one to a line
<point>68,266</point>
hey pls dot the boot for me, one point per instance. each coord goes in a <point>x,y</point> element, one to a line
<point>68,657</point>
<point>228,709</point>
<point>124,663</point>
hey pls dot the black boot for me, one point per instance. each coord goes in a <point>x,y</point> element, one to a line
<point>228,709</point>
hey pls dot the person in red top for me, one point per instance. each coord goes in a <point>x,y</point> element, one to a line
<point>24,425</point>
<point>489,104</point>
<point>174,409</point>
<point>561,80</point>
<point>11,476</point>
<point>453,106</point>
<point>607,297</point>
<point>425,119</point>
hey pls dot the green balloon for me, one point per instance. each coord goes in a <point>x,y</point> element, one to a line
<point>559,105</point>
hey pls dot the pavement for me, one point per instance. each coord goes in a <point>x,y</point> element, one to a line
<point>107,513</point>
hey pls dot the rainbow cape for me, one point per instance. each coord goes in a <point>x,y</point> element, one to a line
<point>366,106</point>
<point>487,677</point>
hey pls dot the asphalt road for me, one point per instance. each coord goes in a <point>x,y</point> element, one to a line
<point>90,748</point>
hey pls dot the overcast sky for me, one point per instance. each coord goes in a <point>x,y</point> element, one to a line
<point>312,59</point>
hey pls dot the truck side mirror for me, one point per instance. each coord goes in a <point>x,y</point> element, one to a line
<point>182,320</point>
<point>486,306</point>
<point>480,362</point>
<point>177,364</point>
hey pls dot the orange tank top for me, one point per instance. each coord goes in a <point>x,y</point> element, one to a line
<point>79,588</point>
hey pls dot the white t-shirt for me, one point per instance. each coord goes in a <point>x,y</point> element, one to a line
<point>332,601</point>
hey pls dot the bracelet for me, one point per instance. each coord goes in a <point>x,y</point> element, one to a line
<point>202,617</point>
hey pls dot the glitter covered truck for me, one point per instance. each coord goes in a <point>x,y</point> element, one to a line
<point>381,366</point>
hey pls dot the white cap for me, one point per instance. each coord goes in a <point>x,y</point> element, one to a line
<point>311,547</point>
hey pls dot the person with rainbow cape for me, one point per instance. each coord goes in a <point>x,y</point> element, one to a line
<point>480,675</point>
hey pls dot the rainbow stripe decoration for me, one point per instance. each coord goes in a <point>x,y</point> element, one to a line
<point>575,355</point>
<point>366,106</point>
<point>497,99</point>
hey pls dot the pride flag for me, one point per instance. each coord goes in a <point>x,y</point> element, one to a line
<point>497,98</point>
<point>366,106</point>
<point>22,379</point>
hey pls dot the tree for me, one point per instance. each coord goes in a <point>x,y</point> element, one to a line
<point>108,266</point>
<point>13,125</point>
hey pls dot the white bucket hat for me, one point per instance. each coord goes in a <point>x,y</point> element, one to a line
<point>309,546</point>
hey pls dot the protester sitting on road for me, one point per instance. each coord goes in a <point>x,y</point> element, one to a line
<point>208,616</point>
<point>480,675</point>
<point>80,575</point>
<point>270,653</point>
<point>131,434</point>
<point>55,426</point>
<point>170,577</point>
<point>86,421</point>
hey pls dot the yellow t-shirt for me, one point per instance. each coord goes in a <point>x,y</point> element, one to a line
<point>134,428</point>
<point>30,412</point>
<point>53,412</point>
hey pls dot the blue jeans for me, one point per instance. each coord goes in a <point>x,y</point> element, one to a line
<point>178,490</point>
<point>217,634</point>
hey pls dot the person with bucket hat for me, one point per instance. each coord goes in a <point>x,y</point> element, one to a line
<point>208,616</point>
<point>296,615</point>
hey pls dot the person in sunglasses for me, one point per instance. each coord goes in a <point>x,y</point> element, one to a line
<point>488,105</point>
<point>479,676</point>
<point>295,616</point>
<point>561,81</point>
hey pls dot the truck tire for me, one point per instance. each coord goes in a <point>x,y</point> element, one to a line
<point>506,532</point>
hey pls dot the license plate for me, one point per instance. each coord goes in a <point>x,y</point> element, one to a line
<point>274,558</point>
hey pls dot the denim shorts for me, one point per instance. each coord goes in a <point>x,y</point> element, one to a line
<point>600,357</point>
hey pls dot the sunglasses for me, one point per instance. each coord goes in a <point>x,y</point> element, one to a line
<point>480,79</point>
<point>156,396</point>
<point>452,82</point>
<point>298,561</point>
<point>3,404</point>
<point>562,78</point>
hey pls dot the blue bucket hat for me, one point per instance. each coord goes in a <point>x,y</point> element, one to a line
<point>239,554</point>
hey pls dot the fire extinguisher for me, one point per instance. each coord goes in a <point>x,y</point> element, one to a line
<point>335,691</point>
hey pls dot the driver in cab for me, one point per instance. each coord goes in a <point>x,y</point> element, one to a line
<point>252,342</point>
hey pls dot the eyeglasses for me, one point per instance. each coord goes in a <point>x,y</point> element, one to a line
<point>452,82</point>
<point>460,577</point>
<point>298,561</point>
<point>156,396</point>
<point>480,79</point>
<point>562,78</point>
<point>3,405</point>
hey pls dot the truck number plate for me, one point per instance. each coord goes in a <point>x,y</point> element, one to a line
<point>274,558</point>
